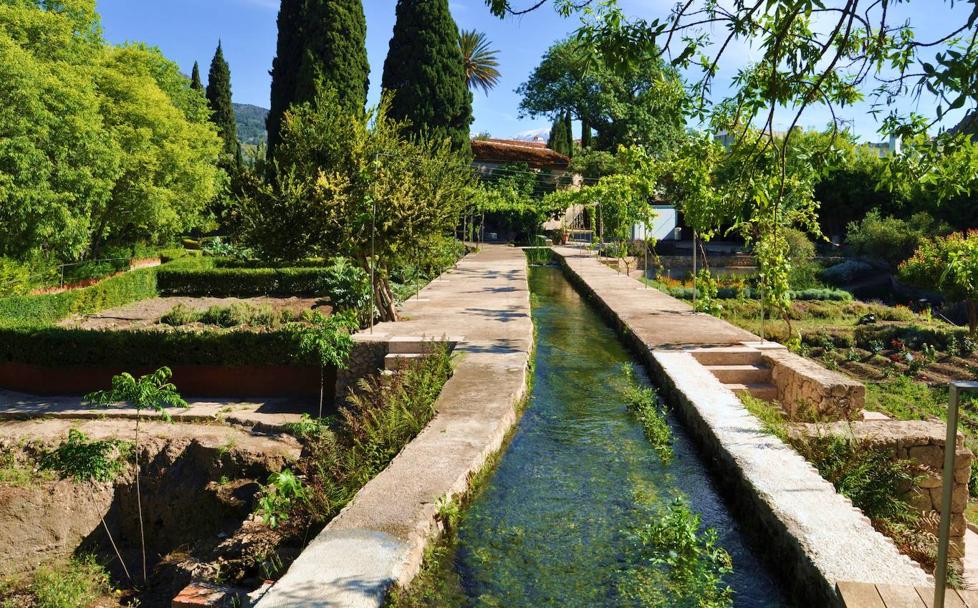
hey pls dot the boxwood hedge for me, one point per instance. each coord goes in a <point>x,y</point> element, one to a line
<point>55,346</point>
<point>240,281</point>
<point>50,308</point>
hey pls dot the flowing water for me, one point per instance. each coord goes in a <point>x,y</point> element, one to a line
<point>552,526</point>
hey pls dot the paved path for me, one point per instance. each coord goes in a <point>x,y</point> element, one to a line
<point>664,322</point>
<point>379,538</point>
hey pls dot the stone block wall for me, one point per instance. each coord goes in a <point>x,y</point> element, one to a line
<point>366,359</point>
<point>809,392</point>
<point>921,442</point>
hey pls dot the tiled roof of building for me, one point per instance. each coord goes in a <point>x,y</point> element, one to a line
<point>503,151</point>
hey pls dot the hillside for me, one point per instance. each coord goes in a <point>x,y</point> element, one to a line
<point>251,123</point>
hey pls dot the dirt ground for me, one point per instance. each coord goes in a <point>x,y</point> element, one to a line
<point>145,314</point>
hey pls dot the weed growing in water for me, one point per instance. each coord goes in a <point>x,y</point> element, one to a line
<point>687,565</point>
<point>644,403</point>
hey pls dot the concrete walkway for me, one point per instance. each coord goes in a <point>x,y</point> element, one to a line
<point>379,538</point>
<point>811,533</point>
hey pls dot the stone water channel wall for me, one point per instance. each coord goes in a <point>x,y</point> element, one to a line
<point>812,534</point>
<point>378,540</point>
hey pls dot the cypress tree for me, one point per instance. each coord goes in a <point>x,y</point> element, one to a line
<point>222,111</point>
<point>195,83</point>
<point>321,43</point>
<point>425,73</point>
<point>558,135</point>
<point>585,134</point>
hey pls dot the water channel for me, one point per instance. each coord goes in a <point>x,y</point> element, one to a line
<point>554,524</point>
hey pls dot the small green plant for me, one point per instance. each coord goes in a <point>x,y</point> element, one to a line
<point>929,353</point>
<point>644,403</point>
<point>84,459</point>
<point>876,346</point>
<point>306,426</point>
<point>449,513</point>
<point>853,355</point>
<point>179,315</point>
<point>327,339</point>
<point>707,291</point>
<point>74,584</point>
<point>279,496</point>
<point>152,391</point>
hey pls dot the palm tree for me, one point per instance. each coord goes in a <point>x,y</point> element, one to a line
<point>481,65</point>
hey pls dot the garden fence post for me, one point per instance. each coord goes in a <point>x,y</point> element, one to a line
<point>950,447</point>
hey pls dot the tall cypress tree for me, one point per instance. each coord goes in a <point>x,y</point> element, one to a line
<point>321,43</point>
<point>558,135</point>
<point>222,111</point>
<point>425,73</point>
<point>195,82</point>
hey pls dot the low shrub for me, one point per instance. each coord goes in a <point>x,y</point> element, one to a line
<point>15,278</point>
<point>47,309</point>
<point>241,282</point>
<point>733,293</point>
<point>56,346</point>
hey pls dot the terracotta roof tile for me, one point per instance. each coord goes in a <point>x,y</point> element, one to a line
<point>502,151</point>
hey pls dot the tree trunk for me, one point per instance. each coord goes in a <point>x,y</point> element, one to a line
<point>972,306</point>
<point>384,300</point>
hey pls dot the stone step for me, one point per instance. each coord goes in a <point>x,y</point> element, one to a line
<point>728,356</point>
<point>741,374</point>
<point>405,345</point>
<point>396,362</point>
<point>767,392</point>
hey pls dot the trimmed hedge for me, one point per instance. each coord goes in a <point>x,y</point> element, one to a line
<point>48,309</point>
<point>729,293</point>
<point>240,281</point>
<point>55,346</point>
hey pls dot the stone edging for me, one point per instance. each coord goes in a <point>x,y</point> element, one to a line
<point>815,536</point>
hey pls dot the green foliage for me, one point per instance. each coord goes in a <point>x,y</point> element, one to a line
<point>888,238</point>
<point>153,391</point>
<point>101,143</point>
<point>15,278</point>
<point>381,196</point>
<point>381,417</point>
<point>195,82</point>
<point>480,60</point>
<point>327,339</point>
<point>55,346</point>
<point>949,264</point>
<point>707,292</point>
<point>76,583</point>
<point>321,45</point>
<point>348,286</point>
<point>644,403</point>
<point>425,73</point>
<point>251,124</point>
<point>636,105</point>
<point>686,568</point>
<point>242,282</point>
<point>562,136</point>
<point>84,459</point>
<point>47,309</point>
<point>279,496</point>
<point>222,110</point>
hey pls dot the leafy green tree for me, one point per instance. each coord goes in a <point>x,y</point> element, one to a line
<point>425,73</point>
<point>152,391</point>
<point>327,338</point>
<point>321,43</point>
<point>562,136</point>
<point>354,184</point>
<point>100,143</point>
<point>639,104</point>
<point>481,62</point>
<point>950,265</point>
<point>222,110</point>
<point>195,82</point>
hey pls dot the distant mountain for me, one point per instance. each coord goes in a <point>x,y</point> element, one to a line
<point>251,123</point>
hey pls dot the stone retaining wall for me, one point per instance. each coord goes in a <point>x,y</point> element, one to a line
<point>807,391</point>
<point>921,442</point>
<point>366,358</point>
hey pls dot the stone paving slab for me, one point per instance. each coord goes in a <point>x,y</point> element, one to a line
<point>264,416</point>
<point>663,321</point>
<point>811,533</point>
<point>379,538</point>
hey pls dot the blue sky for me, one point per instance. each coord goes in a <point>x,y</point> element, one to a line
<point>188,30</point>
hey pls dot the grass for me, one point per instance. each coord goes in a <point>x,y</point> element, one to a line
<point>239,314</point>
<point>643,402</point>
<point>75,583</point>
